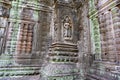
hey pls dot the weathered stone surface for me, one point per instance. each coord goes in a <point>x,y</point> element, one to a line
<point>36,77</point>
<point>59,39</point>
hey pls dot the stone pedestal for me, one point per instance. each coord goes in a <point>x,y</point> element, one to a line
<point>62,63</point>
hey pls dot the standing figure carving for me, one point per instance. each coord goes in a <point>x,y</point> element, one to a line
<point>67,27</point>
<point>4,11</point>
<point>55,30</point>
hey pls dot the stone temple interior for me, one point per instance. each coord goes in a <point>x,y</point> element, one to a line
<point>59,39</point>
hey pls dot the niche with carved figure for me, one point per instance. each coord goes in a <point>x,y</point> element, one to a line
<point>67,28</point>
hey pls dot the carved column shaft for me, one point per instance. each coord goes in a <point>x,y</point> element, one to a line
<point>116,24</point>
<point>4,15</point>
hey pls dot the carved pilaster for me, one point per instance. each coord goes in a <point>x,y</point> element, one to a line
<point>4,14</point>
<point>63,52</point>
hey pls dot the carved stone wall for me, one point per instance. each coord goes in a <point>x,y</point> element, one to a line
<point>60,39</point>
<point>62,55</point>
<point>105,67</point>
<point>28,36</point>
<point>109,33</point>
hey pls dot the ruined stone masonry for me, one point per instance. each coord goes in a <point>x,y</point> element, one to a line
<point>59,40</point>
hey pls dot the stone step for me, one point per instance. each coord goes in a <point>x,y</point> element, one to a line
<point>19,71</point>
<point>17,66</point>
<point>26,77</point>
<point>98,77</point>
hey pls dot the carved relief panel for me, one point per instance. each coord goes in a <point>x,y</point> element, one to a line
<point>4,10</point>
<point>67,28</point>
<point>55,30</point>
<point>27,14</point>
<point>64,28</point>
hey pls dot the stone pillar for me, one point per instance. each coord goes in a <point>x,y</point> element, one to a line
<point>63,52</point>
<point>116,23</point>
<point>94,29</point>
<point>4,15</point>
<point>111,45</point>
<point>108,35</point>
<point>84,43</point>
<point>102,34</point>
<point>13,30</point>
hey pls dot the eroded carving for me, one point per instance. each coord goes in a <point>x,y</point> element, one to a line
<point>4,12</point>
<point>67,28</point>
